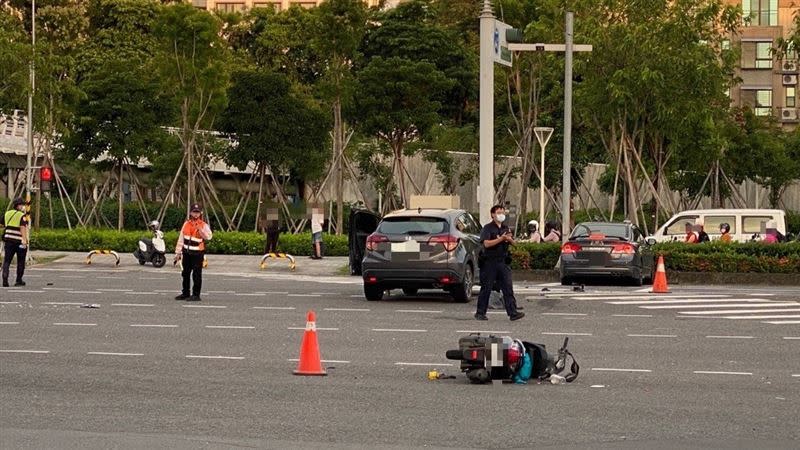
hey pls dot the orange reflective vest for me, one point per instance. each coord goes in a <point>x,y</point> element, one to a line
<point>192,240</point>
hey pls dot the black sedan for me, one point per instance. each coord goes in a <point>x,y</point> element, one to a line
<point>607,249</point>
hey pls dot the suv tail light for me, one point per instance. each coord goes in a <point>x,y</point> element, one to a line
<point>449,242</point>
<point>374,239</point>
<point>623,249</point>
<point>570,248</point>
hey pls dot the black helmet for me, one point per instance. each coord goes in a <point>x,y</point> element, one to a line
<point>725,228</point>
<point>17,202</point>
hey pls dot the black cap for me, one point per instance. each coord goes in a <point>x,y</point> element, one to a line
<point>196,208</point>
<point>18,201</point>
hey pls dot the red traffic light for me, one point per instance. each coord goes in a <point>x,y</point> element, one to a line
<point>45,174</point>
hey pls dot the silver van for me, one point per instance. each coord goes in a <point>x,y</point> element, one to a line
<point>744,223</point>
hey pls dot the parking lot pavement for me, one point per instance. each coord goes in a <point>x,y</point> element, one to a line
<point>141,363</point>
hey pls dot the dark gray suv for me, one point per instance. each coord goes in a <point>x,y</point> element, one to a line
<point>416,249</point>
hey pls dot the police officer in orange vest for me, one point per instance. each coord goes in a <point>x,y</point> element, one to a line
<point>191,248</point>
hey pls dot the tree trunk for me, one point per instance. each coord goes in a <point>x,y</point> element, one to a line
<point>120,213</point>
<point>338,150</point>
<point>260,196</point>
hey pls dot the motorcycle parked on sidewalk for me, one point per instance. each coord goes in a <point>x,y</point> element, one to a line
<point>152,250</point>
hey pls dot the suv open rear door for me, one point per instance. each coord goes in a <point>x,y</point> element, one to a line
<point>362,223</point>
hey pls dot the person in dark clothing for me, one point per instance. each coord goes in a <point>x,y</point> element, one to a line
<point>15,241</point>
<point>495,238</point>
<point>273,234</point>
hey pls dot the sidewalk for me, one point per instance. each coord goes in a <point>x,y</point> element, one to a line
<point>226,264</point>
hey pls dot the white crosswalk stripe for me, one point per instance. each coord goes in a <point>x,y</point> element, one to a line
<point>755,306</point>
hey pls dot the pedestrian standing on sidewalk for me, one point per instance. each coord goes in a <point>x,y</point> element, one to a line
<point>191,249</point>
<point>15,241</point>
<point>317,220</point>
<point>495,239</point>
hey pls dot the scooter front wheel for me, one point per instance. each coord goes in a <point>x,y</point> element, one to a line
<point>159,260</point>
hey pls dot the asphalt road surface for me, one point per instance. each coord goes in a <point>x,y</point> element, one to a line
<point>702,367</point>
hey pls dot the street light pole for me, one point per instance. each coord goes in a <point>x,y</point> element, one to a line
<point>29,166</point>
<point>566,183</point>
<point>486,128</point>
<point>543,135</point>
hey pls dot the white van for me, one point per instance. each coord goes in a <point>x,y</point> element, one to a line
<point>744,223</point>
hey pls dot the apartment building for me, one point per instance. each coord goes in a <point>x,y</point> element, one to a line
<point>241,5</point>
<point>769,85</point>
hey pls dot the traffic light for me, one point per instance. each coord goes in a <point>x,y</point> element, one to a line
<point>45,176</point>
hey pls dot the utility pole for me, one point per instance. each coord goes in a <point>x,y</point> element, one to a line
<point>29,164</point>
<point>486,128</point>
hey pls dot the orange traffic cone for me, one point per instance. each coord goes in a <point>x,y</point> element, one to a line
<point>310,361</point>
<point>660,281</point>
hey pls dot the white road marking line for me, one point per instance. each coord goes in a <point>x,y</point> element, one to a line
<point>24,291</point>
<point>483,331</point>
<point>142,293</point>
<point>712,372</point>
<point>114,354</point>
<point>205,306</point>
<point>760,317</point>
<point>9,303</point>
<point>642,290</point>
<point>607,369</point>
<point>687,301</point>
<point>399,330</point>
<point>275,307</point>
<point>792,338</point>
<point>221,292</point>
<point>144,325</point>
<point>764,293</point>
<point>9,323</point>
<point>84,292</point>
<point>654,335</point>
<point>62,303</point>
<point>783,322</point>
<point>730,337</point>
<point>598,386</point>
<point>166,291</point>
<point>428,311</point>
<point>328,361</point>
<point>74,324</point>
<point>133,304</point>
<point>152,278</point>
<point>323,293</point>
<point>273,293</point>
<point>563,314</point>
<point>422,364</point>
<point>631,315</point>
<point>347,309</point>
<point>231,327</point>
<point>553,333</point>
<point>796,375</point>
<point>318,329</point>
<point>57,289</point>
<point>249,294</point>
<point>42,352</point>
<point>739,311</point>
<point>115,290</point>
<point>110,278</point>
<point>214,357</point>
<point>611,296</point>
<point>727,305</point>
<point>71,276</point>
<point>357,296</point>
<point>304,295</point>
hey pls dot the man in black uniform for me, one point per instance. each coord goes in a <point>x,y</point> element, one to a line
<point>496,238</point>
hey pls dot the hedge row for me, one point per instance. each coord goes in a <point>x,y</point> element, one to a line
<point>225,243</point>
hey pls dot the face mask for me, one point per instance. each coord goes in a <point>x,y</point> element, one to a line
<point>501,218</point>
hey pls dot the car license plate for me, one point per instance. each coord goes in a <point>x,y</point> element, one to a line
<point>596,249</point>
<point>405,247</point>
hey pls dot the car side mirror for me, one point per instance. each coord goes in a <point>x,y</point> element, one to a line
<point>651,241</point>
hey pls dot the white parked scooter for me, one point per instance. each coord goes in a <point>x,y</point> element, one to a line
<point>152,250</point>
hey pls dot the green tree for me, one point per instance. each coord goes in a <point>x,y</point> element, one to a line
<point>15,52</point>
<point>398,102</point>
<point>340,27</point>
<point>288,133</point>
<point>193,64</point>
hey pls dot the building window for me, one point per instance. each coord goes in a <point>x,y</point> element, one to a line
<point>763,103</point>
<point>274,5</point>
<point>726,44</point>
<point>763,55</point>
<point>230,7</point>
<point>760,13</point>
<point>791,97</point>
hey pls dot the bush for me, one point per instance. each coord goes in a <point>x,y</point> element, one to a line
<point>224,243</point>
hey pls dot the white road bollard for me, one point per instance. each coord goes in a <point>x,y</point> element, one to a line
<point>290,258</point>
<point>102,252</point>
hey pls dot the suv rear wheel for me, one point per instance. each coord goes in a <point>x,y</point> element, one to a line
<point>373,293</point>
<point>463,292</point>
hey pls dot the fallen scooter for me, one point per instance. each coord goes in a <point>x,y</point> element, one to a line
<point>152,250</point>
<point>490,358</point>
